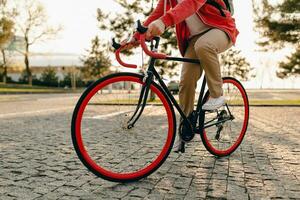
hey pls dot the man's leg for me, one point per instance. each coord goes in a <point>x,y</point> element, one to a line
<point>207,47</point>
<point>190,74</point>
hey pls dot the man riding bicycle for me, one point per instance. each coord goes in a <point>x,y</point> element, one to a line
<point>204,28</point>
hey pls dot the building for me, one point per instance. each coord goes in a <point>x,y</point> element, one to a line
<point>62,63</point>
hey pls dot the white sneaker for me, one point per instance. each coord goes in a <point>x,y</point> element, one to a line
<point>214,103</point>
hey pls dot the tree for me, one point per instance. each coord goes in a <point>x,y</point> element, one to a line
<point>68,79</point>
<point>279,27</point>
<point>235,65</point>
<point>6,24</point>
<point>49,77</point>
<point>6,33</point>
<point>292,66</point>
<point>32,25</point>
<point>124,22</point>
<point>96,63</point>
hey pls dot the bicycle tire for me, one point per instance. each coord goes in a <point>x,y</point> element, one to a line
<point>210,142</point>
<point>76,129</point>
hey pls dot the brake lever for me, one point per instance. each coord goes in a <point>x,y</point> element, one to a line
<point>115,45</point>
<point>142,30</point>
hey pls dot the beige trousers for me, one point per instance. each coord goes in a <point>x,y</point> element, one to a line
<point>206,47</point>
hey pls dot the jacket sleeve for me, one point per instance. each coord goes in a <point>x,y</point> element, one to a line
<point>155,14</point>
<point>181,11</point>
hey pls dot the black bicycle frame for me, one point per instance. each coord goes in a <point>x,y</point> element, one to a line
<point>151,73</point>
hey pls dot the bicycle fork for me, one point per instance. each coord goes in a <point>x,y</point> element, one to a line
<point>142,100</point>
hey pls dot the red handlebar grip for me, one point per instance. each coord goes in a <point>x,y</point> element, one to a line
<point>148,52</point>
<point>117,53</point>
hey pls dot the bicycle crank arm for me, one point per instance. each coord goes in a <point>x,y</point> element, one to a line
<point>219,122</point>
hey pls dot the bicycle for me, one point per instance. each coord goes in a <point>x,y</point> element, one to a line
<point>121,134</point>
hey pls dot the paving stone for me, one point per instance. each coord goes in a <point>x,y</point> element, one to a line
<point>155,194</point>
<point>38,162</point>
<point>6,197</point>
<point>129,197</point>
<point>139,192</point>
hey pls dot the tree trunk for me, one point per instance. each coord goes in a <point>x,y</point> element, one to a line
<point>73,79</point>
<point>28,72</point>
<point>4,66</point>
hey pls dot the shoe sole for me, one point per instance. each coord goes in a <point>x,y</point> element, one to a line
<point>212,109</point>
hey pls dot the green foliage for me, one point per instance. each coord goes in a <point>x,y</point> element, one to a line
<point>24,77</point>
<point>278,23</point>
<point>49,77</point>
<point>122,25</point>
<point>235,65</point>
<point>279,26</point>
<point>6,34</point>
<point>6,23</point>
<point>96,63</point>
<point>1,72</point>
<point>8,79</point>
<point>292,67</point>
<point>67,81</point>
<point>6,31</point>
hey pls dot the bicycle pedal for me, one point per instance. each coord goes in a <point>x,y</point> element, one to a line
<point>181,149</point>
<point>211,111</point>
<point>187,138</point>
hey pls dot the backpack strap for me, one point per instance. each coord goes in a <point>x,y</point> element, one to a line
<point>218,6</point>
<point>227,5</point>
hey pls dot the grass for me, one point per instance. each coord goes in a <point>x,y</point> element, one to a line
<point>26,89</point>
<point>295,102</point>
<point>29,90</point>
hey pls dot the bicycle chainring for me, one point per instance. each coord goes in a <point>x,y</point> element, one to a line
<point>186,132</point>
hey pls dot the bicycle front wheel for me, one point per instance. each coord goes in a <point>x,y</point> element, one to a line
<point>225,128</point>
<point>105,143</point>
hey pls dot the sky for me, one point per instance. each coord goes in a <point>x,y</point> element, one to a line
<point>78,19</point>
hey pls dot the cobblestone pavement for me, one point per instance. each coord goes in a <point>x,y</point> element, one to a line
<point>37,160</point>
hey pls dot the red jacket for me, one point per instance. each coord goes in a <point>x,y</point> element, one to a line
<point>177,13</point>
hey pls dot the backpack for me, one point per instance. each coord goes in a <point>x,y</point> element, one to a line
<point>228,3</point>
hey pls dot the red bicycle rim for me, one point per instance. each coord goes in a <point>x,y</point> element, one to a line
<point>145,170</point>
<point>244,128</point>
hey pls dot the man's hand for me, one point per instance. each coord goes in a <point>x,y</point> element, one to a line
<point>130,43</point>
<point>155,28</point>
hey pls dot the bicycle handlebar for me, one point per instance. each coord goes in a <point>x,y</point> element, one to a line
<point>118,47</point>
<point>120,60</point>
<point>142,30</point>
<point>148,52</point>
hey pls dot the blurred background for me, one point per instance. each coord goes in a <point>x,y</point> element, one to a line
<point>51,50</point>
<point>55,46</point>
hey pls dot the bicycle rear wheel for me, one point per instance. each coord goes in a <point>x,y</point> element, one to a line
<point>101,136</point>
<point>225,129</point>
